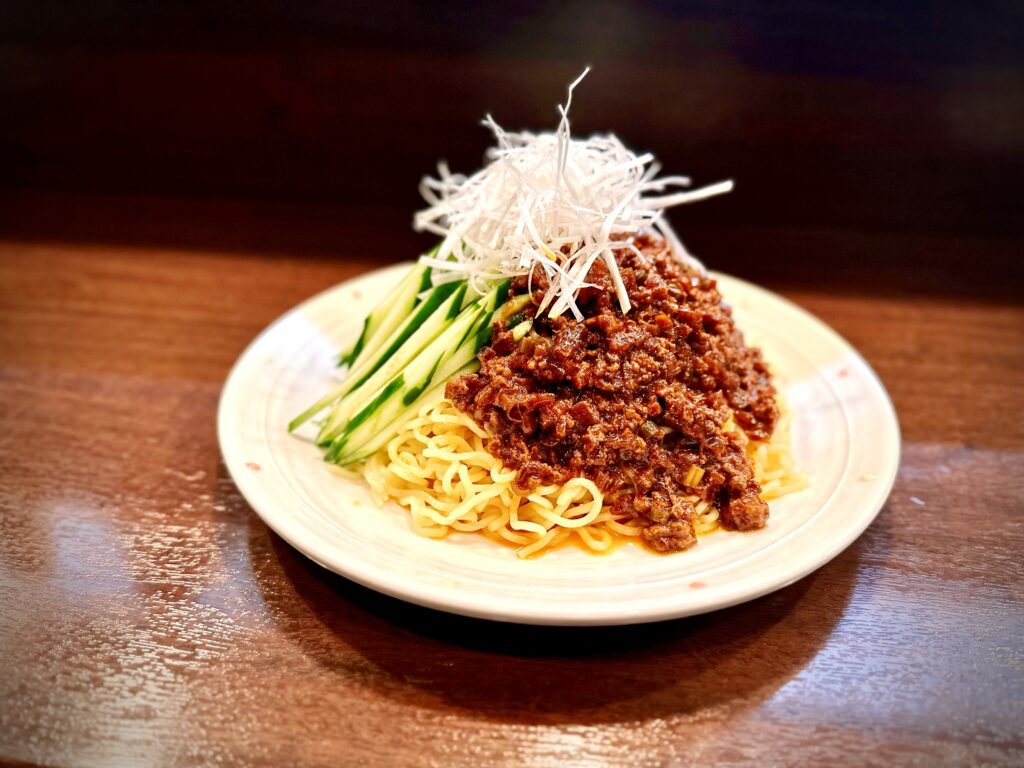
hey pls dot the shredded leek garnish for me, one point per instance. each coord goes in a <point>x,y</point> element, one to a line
<point>551,202</point>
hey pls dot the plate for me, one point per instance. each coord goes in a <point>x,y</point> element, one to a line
<point>845,437</point>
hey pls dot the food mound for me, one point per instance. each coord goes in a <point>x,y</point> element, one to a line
<point>558,368</point>
<point>645,404</point>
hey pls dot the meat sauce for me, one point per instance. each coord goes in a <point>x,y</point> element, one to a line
<point>632,401</point>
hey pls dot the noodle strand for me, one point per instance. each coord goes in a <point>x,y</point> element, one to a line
<point>438,468</point>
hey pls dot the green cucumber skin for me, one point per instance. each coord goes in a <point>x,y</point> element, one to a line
<point>414,392</point>
<point>491,302</point>
<point>477,333</point>
<point>427,280</point>
<point>420,368</point>
<point>386,316</point>
<point>389,315</point>
<point>455,310</point>
<point>420,314</point>
<point>393,377</point>
<point>420,339</point>
<point>397,319</point>
<point>390,429</point>
<point>349,357</point>
<point>502,292</point>
<point>383,396</point>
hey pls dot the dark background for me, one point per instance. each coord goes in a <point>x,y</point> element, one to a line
<point>873,144</point>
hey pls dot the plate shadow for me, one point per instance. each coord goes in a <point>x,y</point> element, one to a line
<point>530,674</point>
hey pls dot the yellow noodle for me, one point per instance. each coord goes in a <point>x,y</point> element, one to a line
<point>438,468</point>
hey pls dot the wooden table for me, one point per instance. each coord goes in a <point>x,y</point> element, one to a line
<point>148,617</point>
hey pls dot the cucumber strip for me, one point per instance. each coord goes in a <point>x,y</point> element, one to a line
<point>522,329</point>
<point>349,400</point>
<point>357,428</point>
<point>362,371</point>
<point>444,374</point>
<point>419,373</point>
<point>456,347</point>
<point>386,316</point>
<point>419,337</point>
<point>471,347</point>
<point>403,332</point>
<point>513,307</point>
<point>491,304</point>
<point>378,441</point>
<point>346,357</point>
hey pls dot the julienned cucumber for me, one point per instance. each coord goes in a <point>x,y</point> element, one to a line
<point>378,441</point>
<point>398,356</point>
<point>413,332</point>
<point>453,348</point>
<point>386,316</point>
<point>409,326</point>
<point>415,341</point>
<point>448,370</point>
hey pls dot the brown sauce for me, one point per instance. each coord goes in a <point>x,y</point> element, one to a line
<point>632,401</point>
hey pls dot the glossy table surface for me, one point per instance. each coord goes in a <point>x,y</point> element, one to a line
<point>148,617</point>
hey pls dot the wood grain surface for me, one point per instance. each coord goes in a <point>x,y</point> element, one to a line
<point>148,617</point>
<point>175,175</point>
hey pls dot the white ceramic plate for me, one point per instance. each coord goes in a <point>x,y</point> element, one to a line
<point>845,436</point>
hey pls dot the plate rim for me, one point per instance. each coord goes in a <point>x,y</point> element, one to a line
<point>458,601</point>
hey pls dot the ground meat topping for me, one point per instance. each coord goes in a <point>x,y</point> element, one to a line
<point>632,401</point>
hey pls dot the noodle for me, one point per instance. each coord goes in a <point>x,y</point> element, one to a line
<point>438,468</point>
